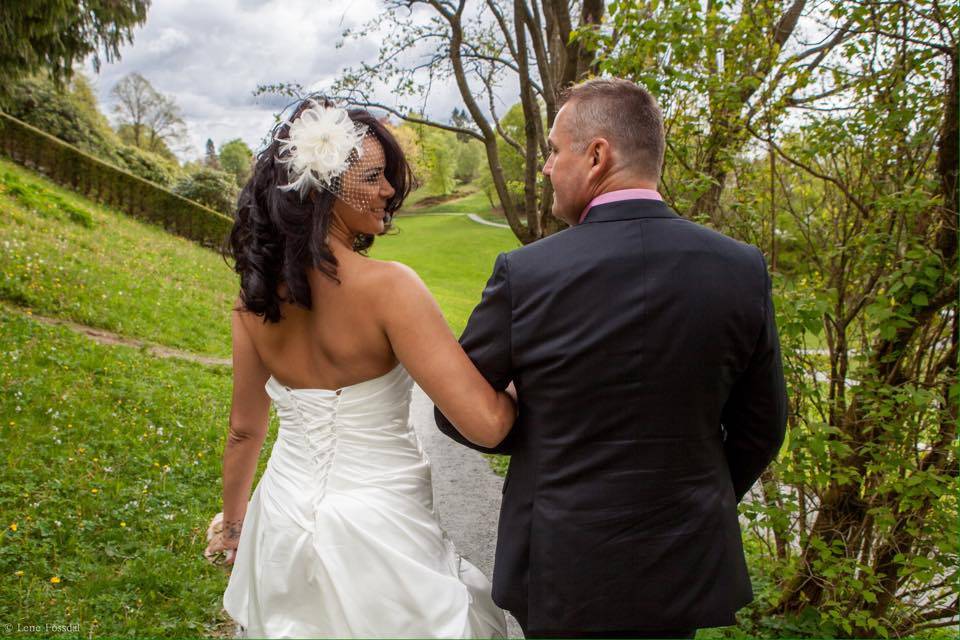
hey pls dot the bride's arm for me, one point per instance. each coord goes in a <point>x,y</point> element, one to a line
<point>431,354</point>
<point>249,419</point>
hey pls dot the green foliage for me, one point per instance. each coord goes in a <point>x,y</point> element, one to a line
<point>72,116</point>
<point>439,158</point>
<point>211,187</point>
<point>55,35</point>
<point>65,114</point>
<point>236,158</point>
<point>841,164</point>
<point>68,165</point>
<point>470,161</point>
<point>147,165</point>
<point>152,144</point>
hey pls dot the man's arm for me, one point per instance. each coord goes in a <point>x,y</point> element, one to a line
<point>755,415</point>
<point>486,341</point>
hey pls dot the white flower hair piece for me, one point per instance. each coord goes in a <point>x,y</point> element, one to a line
<point>318,147</point>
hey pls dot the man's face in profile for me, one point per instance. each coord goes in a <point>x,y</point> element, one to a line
<point>567,167</point>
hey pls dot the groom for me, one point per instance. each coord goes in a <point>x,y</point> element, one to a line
<point>651,395</point>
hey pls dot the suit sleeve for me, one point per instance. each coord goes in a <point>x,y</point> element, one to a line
<point>755,415</point>
<point>486,341</point>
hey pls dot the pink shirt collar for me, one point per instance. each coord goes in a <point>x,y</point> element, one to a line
<point>620,195</point>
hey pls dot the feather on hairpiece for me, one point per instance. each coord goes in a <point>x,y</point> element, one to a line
<point>318,147</point>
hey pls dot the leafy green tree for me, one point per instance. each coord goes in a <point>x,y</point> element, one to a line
<point>210,187</point>
<point>469,159</point>
<point>840,159</point>
<point>69,113</point>
<point>54,35</point>
<point>236,158</point>
<point>461,119</point>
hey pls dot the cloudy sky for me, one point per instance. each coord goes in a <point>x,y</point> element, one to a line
<point>210,55</point>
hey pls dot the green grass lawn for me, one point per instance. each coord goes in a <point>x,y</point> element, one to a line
<point>106,494</point>
<point>102,268</point>
<point>112,466</point>
<point>475,202</point>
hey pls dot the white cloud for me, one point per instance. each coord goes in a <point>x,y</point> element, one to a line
<point>168,41</point>
<point>210,55</point>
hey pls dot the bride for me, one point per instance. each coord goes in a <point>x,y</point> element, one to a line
<point>340,538</point>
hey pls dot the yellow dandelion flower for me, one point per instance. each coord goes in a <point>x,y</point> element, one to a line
<point>18,573</point>
<point>123,524</point>
<point>55,580</point>
<point>13,526</point>
<point>94,490</point>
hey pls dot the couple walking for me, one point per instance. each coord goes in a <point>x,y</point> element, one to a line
<point>629,365</point>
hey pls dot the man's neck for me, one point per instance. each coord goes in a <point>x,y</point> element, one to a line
<point>619,183</point>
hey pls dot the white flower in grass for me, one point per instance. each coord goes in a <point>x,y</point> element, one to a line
<point>318,147</point>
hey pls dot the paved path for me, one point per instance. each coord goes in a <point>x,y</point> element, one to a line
<point>477,218</point>
<point>466,493</point>
<point>471,216</point>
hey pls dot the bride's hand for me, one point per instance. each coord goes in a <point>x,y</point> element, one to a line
<point>223,539</point>
<point>221,544</point>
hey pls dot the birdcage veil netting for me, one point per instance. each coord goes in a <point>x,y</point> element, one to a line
<point>324,149</point>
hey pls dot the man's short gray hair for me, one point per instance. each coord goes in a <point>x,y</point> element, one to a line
<point>624,113</point>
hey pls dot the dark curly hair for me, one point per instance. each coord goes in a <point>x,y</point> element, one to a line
<point>277,237</point>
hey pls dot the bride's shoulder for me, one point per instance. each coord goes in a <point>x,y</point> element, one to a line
<point>393,281</point>
<point>391,274</point>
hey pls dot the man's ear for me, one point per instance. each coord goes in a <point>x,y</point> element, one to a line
<point>601,155</point>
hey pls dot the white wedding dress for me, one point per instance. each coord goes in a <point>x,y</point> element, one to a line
<point>340,537</point>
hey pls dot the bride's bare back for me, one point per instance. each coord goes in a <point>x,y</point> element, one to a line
<point>379,313</point>
<point>338,343</point>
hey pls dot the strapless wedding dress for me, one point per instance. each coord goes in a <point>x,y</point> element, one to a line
<point>340,537</point>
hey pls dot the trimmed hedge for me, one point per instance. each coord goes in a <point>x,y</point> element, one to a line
<point>72,168</point>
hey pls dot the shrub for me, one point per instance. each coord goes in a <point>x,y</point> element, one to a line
<point>215,189</point>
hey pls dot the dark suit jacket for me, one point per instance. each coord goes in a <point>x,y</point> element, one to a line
<point>645,354</point>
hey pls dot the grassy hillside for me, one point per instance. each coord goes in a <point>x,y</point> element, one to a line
<point>115,465</point>
<point>65,256</point>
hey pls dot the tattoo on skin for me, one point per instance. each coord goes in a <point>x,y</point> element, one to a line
<point>231,529</point>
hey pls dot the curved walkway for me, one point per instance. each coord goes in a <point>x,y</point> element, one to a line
<point>472,216</point>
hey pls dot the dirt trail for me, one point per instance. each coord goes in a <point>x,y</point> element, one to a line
<point>109,338</point>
